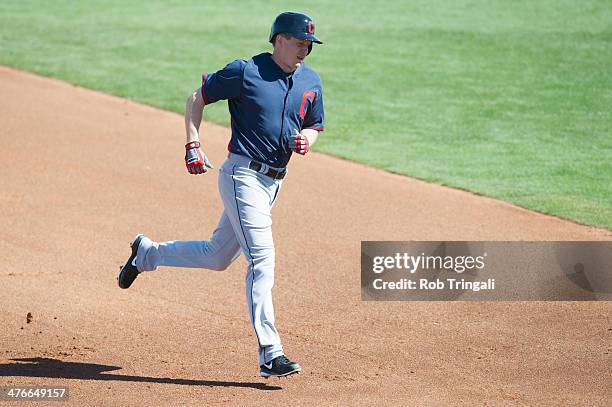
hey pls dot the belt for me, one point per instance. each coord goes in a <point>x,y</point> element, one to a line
<point>270,172</point>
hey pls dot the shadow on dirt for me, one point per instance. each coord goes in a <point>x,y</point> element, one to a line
<point>54,368</point>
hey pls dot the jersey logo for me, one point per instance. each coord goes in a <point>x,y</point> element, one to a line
<point>305,97</point>
<point>310,27</point>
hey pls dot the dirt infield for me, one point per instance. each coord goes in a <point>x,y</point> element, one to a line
<point>82,172</point>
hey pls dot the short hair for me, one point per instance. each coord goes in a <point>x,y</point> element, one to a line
<point>287,36</point>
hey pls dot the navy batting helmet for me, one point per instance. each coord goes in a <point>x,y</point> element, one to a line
<point>297,25</point>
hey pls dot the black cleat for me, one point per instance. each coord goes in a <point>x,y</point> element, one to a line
<point>128,272</point>
<point>279,366</point>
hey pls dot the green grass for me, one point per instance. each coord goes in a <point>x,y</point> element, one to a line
<point>509,99</point>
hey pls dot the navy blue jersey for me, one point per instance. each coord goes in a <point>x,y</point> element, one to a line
<point>265,105</point>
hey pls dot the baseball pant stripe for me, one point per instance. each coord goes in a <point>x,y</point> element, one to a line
<point>251,264</point>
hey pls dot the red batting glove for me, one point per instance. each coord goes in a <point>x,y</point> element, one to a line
<point>195,160</point>
<point>299,143</point>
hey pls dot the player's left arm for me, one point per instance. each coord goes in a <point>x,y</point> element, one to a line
<point>311,135</point>
<point>301,142</point>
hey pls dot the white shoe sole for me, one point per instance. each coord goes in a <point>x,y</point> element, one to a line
<point>266,375</point>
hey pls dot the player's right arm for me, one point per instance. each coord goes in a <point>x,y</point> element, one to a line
<point>195,160</point>
<point>193,115</point>
<point>223,84</point>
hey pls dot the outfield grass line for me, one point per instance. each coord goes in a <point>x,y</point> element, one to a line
<point>403,175</point>
<point>505,99</point>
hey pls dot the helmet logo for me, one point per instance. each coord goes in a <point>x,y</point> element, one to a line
<point>310,27</point>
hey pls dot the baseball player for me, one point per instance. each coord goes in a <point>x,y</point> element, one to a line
<point>276,106</point>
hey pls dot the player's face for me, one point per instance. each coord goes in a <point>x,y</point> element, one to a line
<point>290,52</point>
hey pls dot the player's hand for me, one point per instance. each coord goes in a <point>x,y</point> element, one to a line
<point>195,160</point>
<point>298,142</point>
